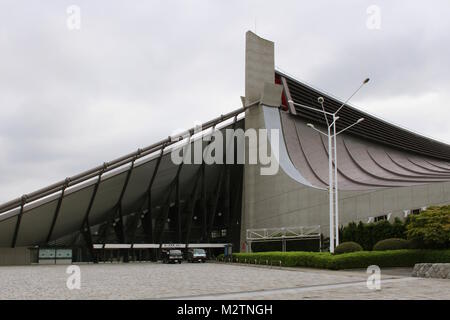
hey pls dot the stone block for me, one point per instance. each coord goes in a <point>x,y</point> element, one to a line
<point>432,270</point>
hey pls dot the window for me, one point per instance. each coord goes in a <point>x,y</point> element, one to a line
<point>380,218</point>
<point>415,211</point>
<point>214,234</point>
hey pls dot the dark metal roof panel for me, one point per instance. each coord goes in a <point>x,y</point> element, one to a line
<point>372,128</point>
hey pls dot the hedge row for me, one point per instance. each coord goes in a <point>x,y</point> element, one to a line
<point>362,259</point>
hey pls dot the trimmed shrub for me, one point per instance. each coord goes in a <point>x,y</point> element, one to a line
<point>361,259</point>
<point>347,247</point>
<point>392,244</point>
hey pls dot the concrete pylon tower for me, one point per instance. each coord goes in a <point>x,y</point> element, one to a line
<point>260,87</point>
<point>259,65</point>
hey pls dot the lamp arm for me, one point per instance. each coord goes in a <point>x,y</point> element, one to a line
<point>345,129</point>
<point>339,109</point>
<point>310,108</point>
<point>325,114</point>
<point>314,128</point>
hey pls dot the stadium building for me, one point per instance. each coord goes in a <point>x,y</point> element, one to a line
<point>135,205</point>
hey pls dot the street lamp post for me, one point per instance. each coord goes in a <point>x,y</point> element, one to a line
<point>332,157</point>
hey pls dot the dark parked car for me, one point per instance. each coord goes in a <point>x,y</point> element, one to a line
<point>172,256</point>
<point>194,255</point>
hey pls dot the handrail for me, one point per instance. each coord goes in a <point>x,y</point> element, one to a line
<point>118,162</point>
<point>283,233</point>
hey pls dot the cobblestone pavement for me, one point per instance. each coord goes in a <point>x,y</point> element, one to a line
<point>210,281</point>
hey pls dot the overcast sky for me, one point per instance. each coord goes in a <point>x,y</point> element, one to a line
<point>134,72</point>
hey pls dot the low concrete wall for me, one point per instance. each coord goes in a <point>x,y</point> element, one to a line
<point>432,270</point>
<point>15,256</point>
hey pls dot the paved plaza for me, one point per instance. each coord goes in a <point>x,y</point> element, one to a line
<point>211,281</point>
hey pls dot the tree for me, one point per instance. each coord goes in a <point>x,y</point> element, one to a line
<point>349,232</point>
<point>398,229</point>
<point>430,228</point>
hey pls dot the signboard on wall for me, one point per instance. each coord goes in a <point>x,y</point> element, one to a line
<point>47,253</point>
<point>64,254</point>
<point>54,255</point>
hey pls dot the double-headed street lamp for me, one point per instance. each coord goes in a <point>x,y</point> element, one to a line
<point>332,156</point>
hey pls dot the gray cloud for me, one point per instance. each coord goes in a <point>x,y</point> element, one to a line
<point>133,74</point>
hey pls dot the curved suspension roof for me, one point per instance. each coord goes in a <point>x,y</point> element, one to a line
<point>372,128</point>
<point>373,154</point>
